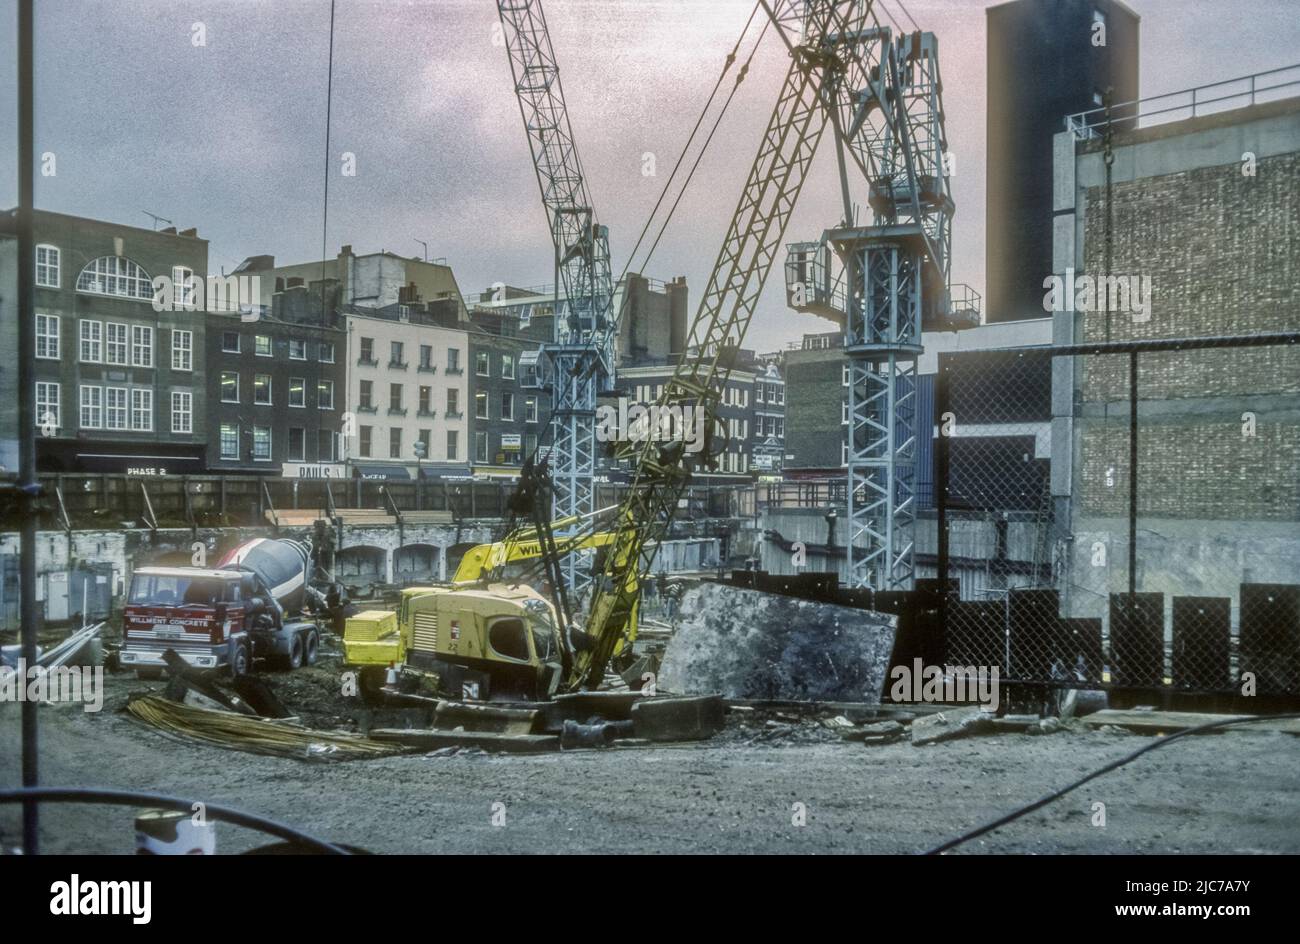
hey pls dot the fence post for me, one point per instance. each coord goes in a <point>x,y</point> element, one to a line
<point>1132,471</point>
<point>941,458</point>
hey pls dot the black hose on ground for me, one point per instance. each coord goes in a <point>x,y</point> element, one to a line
<point>135,798</point>
<point>1113,765</point>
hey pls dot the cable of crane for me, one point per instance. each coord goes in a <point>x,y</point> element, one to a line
<point>730,61</point>
<point>740,77</point>
<point>1113,765</point>
<point>908,14</point>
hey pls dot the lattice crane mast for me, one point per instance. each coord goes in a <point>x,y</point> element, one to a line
<point>579,360</point>
<point>885,282</point>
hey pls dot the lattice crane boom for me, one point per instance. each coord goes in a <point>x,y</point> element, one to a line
<point>819,62</point>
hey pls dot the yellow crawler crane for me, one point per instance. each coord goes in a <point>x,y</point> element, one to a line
<point>485,636</point>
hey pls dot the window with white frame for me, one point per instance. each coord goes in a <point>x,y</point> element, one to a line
<point>48,412</point>
<point>141,410</point>
<point>507,406</point>
<point>481,405</point>
<point>327,352</point>
<point>229,441</point>
<point>182,350</point>
<point>141,346</point>
<point>530,409</point>
<point>325,394</point>
<point>844,412</point>
<point>115,410</point>
<point>262,389</point>
<point>230,386</point>
<point>92,341</point>
<point>47,336</point>
<point>262,443</point>
<point>92,407</point>
<point>184,291</point>
<point>480,447</point>
<point>297,391</point>
<point>844,375</point>
<point>262,345</point>
<point>844,453</point>
<point>297,349</point>
<point>453,444</point>
<point>230,342</point>
<point>482,366</point>
<point>507,367</point>
<point>182,411</point>
<point>117,276</point>
<point>47,266</point>
<point>115,343</point>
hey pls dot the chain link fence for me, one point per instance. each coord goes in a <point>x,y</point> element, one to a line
<point>1124,515</point>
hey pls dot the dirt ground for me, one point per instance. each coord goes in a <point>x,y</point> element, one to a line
<point>1235,792</point>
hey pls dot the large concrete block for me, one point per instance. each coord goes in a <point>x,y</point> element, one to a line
<point>747,644</point>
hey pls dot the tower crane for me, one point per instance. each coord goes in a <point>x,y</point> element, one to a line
<point>578,362</point>
<point>885,282</point>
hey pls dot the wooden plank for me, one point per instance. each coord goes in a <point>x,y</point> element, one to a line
<point>451,715</point>
<point>1153,722</point>
<point>428,740</point>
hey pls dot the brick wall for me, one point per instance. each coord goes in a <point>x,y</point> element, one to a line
<point>1223,254</point>
<point>1192,468</point>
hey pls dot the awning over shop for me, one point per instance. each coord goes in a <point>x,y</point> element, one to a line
<point>390,472</point>
<point>487,472</point>
<point>446,472</point>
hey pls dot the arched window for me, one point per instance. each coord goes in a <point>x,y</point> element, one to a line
<point>115,275</point>
<point>47,265</point>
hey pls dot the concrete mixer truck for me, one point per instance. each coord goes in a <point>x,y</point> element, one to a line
<point>259,602</point>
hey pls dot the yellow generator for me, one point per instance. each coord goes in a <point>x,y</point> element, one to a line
<point>371,638</point>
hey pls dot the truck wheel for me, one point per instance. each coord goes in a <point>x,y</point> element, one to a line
<point>294,659</point>
<point>239,661</point>
<point>311,647</point>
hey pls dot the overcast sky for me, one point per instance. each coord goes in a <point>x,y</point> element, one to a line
<point>230,137</point>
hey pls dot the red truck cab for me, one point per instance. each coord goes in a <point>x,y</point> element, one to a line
<point>203,615</point>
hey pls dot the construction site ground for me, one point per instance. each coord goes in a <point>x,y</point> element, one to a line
<point>1234,792</point>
